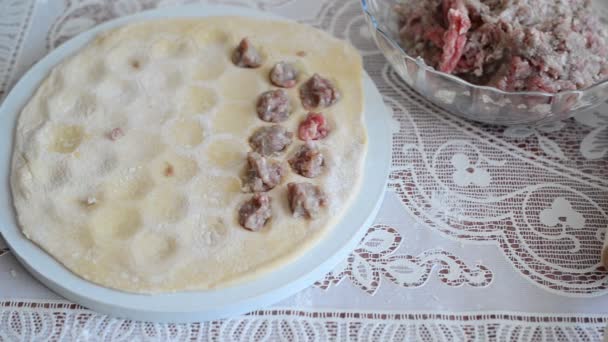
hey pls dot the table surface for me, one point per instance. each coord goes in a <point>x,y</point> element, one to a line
<point>486,233</point>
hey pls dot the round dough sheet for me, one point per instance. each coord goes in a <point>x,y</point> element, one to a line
<point>129,158</point>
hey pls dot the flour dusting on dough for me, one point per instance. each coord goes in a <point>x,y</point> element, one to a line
<point>128,159</point>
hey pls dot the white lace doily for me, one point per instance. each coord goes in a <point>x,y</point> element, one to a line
<point>486,233</point>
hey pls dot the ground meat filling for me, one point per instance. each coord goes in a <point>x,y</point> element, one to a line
<point>314,127</point>
<point>513,45</point>
<point>246,56</point>
<point>116,134</point>
<point>255,212</point>
<point>454,38</point>
<point>262,174</point>
<point>270,140</point>
<point>284,75</point>
<point>274,106</point>
<point>305,200</point>
<point>308,161</point>
<point>318,92</point>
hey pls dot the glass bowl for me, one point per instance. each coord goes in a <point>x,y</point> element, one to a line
<point>479,103</point>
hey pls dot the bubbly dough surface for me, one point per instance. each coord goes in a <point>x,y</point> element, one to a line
<point>152,207</point>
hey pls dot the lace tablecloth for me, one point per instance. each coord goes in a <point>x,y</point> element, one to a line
<point>486,233</point>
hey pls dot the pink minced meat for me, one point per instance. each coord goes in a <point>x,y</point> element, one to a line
<point>314,127</point>
<point>454,38</point>
<point>246,56</point>
<point>318,92</point>
<point>262,174</point>
<point>116,134</point>
<point>255,212</point>
<point>308,161</point>
<point>305,199</point>
<point>514,45</point>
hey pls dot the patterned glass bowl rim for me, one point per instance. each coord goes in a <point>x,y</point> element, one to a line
<point>421,64</point>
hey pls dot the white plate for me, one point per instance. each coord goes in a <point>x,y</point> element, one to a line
<point>204,305</point>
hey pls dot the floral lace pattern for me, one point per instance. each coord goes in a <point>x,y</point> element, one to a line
<point>376,257</point>
<point>595,145</point>
<point>49,321</point>
<point>477,182</point>
<point>548,146</point>
<point>537,194</point>
<point>432,173</point>
<point>15,18</point>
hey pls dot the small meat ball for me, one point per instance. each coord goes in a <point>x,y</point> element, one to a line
<point>270,140</point>
<point>246,56</point>
<point>115,134</point>
<point>284,75</point>
<point>308,161</point>
<point>274,106</point>
<point>305,199</point>
<point>314,127</point>
<point>318,92</point>
<point>255,212</point>
<point>262,174</point>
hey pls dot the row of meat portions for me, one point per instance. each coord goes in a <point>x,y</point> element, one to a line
<point>263,173</point>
